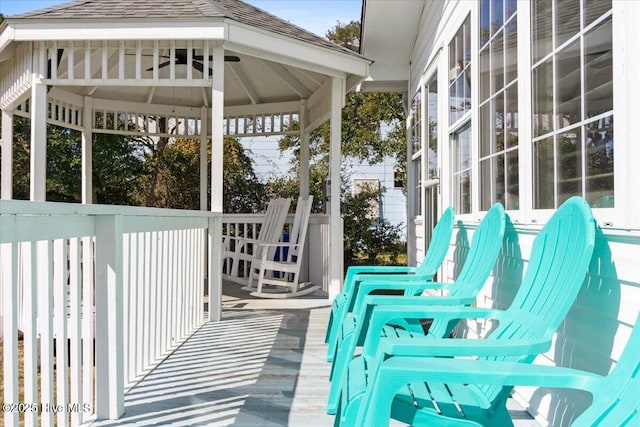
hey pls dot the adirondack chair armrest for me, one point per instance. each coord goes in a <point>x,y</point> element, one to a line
<point>412,306</point>
<point>354,271</point>
<point>387,278</point>
<point>394,372</point>
<point>380,315</point>
<point>462,347</point>
<point>466,371</point>
<point>414,288</point>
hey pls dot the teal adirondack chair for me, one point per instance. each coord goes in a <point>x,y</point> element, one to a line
<point>484,250</point>
<point>385,381</point>
<point>344,302</point>
<point>615,397</point>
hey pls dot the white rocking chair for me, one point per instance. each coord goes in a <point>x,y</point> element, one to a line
<point>270,232</point>
<point>281,279</point>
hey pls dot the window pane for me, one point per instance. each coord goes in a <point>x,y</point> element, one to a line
<point>485,180</point>
<point>510,7</point>
<point>460,96</point>
<point>598,70</point>
<point>417,179</point>
<point>593,9</point>
<point>497,14</point>
<point>466,82</point>
<point>416,140</point>
<point>511,116</point>
<point>511,52</point>
<point>453,73</point>
<point>461,149</point>
<point>486,131</point>
<point>569,164</point>
<point>541,28</point>
<point>567,20</point>
<point>543,97</point>
<point>497,62</point>
<point>484,21</point>
<point>460,49</point>
<point>512,193</point>
<point>543,181</point>
<point>467,42</point>
<point>498,178</point>
<point>432,123</point>
<point>453,104</point>
<point>599,174</point>
<point>568,96</point>
<point>498,116</point>
<point>485,76</point>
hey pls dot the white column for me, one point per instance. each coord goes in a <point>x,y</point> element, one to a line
<point>217,187</point>
<point>204,132</point>
<point>87,151</point>
<point>38,171</point>
<point>109,309</point>
<point>7,155</point>
<point>304,151</point>
<point>335,221</point>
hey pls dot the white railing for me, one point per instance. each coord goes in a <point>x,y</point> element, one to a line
<point>315,263</point>
<point>132,280</point>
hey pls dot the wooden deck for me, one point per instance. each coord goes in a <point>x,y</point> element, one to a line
<point>262,365</point>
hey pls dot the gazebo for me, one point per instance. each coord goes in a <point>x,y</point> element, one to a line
<point>196,68</point>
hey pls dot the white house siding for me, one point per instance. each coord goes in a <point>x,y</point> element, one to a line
<point>393,199</point>
<point>596,330</point>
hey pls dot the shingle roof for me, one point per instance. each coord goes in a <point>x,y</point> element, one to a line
<point>235,10</point>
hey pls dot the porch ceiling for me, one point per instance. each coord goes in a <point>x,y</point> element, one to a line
<point>389,31</point>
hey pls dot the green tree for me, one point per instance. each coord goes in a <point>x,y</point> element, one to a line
<point>372,129</point>
<point>176,180</point>
<point>117,165</point>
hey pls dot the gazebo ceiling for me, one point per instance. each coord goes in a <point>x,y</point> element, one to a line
<point>267,59</point>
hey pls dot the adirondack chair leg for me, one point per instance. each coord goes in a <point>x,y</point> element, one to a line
<point>333,331</point>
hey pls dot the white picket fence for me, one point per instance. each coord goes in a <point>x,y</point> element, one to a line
<point>130,281</point>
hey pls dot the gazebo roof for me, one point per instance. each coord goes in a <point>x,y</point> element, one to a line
<point>139,50</point>
<point>179,9</point>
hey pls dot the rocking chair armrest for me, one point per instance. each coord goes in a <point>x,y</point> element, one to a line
<point>278,244</point>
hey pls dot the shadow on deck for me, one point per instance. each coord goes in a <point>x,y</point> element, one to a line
<point>262,365</point>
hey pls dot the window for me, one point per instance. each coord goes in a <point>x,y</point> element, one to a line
<point>398,178</point>
<point>431,116</point>
<point>498,115</point>
<point>461,168</point>
<point>459,107</point>
<point>572,83</point>
<point>415,117</point>
<point>460,72</point>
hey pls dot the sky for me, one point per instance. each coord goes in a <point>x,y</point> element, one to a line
<point>317,16</point>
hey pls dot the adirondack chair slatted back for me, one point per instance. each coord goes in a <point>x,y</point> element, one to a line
<point>485,247</point>
<point>617,401</point>
<point>557,267</point>
<point>439,244</point>
<point>272,226</point>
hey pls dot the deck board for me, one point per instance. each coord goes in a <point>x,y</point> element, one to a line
<point>262,365</point>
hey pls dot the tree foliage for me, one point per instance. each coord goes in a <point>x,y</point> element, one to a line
<point>372,129</point>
